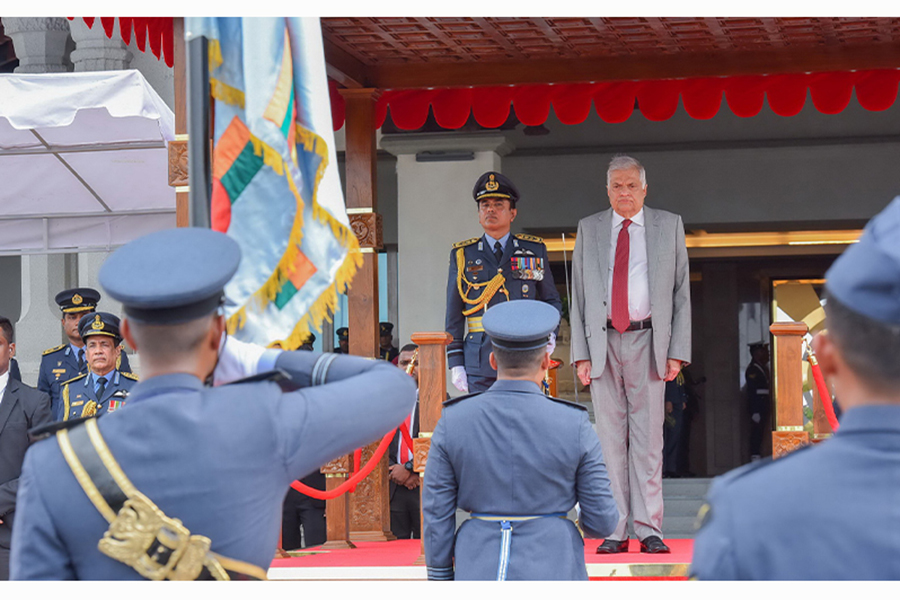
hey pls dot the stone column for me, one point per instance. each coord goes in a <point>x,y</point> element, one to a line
<point>39,42</point>
<point>39,326</point>
<point>435,209</point>
<point>96,52</point>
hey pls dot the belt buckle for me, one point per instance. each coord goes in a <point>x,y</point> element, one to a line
<point>154,545</point>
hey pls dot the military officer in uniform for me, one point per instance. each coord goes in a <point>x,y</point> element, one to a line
<point>387,351</point>
<point>757,376</point>
<point>61,363</point>
<point>343,335</point>
<point>487,270</point>
<point>518,461</point>
<point>103,388</point>
<point>829,511</point>
<point>188,481</point>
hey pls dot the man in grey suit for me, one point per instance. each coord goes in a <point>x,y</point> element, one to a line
<point>631,332</point>
<point>21,407</point>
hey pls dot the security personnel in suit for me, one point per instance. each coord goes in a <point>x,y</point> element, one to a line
<point>830,511</point>
<point>21,408</point>
<point>61,363</point>
<point>487,270</point>
<point>518,461</point>
<point>308,342</point>
<point>757,377</point>
<point>343,335</point>
<point>188,481</point>
<point>387,351</point>
<point>103,388</point>
<point>404,482</point>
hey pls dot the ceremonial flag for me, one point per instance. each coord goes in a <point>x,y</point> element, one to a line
<point>275,185</point>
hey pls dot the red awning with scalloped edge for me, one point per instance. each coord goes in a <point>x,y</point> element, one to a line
<point>615,101</point>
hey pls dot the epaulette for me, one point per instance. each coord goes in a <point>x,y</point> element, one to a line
<point>53,349</point>
<point>569,403</point>
<point>129,375</point>
<point>468,242</point>
<point>453,401</point>
<point>37,434</point>
<point>530,238</point>
<point>76,378</point>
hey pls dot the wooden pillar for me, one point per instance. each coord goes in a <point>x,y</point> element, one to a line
<point>178,169</point>
<point>370,515</point>
<point>337,511</point>
<point>432,393</point>
<point>789,433</point>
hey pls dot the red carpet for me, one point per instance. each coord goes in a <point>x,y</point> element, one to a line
<point>396,561</point>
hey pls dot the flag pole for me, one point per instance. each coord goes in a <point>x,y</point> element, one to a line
<point>199,179</point>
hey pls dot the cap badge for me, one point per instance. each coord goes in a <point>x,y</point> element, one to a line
<point>76,299</point>
<point>492,185</point>
<point>97,325</point>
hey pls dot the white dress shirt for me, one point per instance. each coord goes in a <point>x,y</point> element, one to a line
<point>4,379</point>
<point>638,276</point>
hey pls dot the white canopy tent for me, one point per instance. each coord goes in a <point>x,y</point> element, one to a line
<point>83,161</point>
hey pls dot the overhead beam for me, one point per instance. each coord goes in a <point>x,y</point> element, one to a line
<point>344,68</point>
<point>656,66</point>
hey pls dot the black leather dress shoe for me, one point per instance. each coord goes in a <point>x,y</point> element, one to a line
<point>654,545</point>
<point>612,546</point>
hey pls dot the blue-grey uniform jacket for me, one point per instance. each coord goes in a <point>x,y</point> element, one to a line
<point>512,451</point>
<point>828,512</point>
<point>526,269</point>
<point>219,459</point>
<point>59,365</point>
<point>79,394</point>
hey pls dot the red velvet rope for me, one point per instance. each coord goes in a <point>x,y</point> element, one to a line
<point>824,394</point>
<point>350,484</point>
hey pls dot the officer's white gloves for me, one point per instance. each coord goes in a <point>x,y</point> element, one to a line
<point>551,345</point>
<point>755,417</point>
<point>237,360</point>
<point>459,380</point>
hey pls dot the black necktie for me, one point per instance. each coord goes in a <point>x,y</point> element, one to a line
<point>102,388</point>
<point>498,251</point>
<point>81,360</point>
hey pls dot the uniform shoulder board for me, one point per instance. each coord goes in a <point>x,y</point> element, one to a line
<point>37,434</point>
<point>530,238</point>
<point>467,242</point>
<point>53,349</point>
<point>129,375</point>
<point>76,378</point>
<point>453,401</point>
<point>569,403</point>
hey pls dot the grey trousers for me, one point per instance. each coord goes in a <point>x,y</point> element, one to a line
<point>629,411</point>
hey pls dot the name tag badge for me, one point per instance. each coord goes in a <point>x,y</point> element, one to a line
<point>79,403</point>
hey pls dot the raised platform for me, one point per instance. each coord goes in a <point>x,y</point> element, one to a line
<point>396,561</point>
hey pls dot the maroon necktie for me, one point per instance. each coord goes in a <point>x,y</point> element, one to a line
<point>620,319</point>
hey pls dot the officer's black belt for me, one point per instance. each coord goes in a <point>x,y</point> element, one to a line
<point>635,325</point>
<point>140,534</point>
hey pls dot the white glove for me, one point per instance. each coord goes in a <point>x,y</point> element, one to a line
<point>459,380</point>
<point>755,417</point>
<point>551,345</point>
<point>237,360</point>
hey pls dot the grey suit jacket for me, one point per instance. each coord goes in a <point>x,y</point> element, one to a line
<point>21,408</point>
<point>670,289</point>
